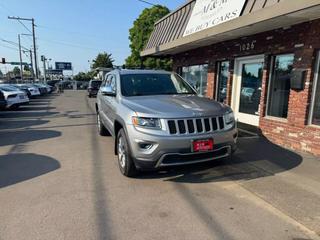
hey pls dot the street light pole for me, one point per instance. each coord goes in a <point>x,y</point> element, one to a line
<point>20,55</point>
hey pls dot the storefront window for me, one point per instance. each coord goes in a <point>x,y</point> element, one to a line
<point>316,104</point>
<point>197,76</point>
<point>250,92</point>
<point>279,89</point>
<point>222,80</point>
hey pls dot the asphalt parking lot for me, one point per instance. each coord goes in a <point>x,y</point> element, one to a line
<point>60,180</point>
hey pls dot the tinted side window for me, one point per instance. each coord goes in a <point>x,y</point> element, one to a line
<point>103,84</point>
<point>111,81</point>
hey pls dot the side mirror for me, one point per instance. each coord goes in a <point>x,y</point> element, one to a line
<point>108,91</point>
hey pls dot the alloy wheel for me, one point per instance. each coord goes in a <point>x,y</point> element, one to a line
<point>121,153</point>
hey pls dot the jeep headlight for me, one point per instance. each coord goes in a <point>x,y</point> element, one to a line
<point>229,118</point>
<point>146,122</point>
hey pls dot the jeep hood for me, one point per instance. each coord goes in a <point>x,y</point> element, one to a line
<point>174,106</point>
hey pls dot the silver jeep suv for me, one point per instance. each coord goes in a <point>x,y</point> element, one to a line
<point>157,119</point>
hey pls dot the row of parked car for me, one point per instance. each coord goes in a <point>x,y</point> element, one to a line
<point>12,96</point>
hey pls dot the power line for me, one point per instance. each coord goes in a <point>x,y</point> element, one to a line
<point>33,37</point>
<point>68,44</point>
<point>83,47</point>
<point>70,32</point>
<point>24,26</point>
<point>149,3</point>
<point>15,49</point>
<point>26,38</point>
<point>12,43</point>
<point>4,7</point>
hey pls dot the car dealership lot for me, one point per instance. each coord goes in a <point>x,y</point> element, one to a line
<point>60,180</point>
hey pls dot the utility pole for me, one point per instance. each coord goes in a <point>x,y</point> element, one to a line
<point>31,62</point>
<point>43,58</point>
<point>20,54</point>
<point>31,58</point>
<point>34,47</point>
<point>34,40</point>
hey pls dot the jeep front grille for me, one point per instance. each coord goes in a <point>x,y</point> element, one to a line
<point>196,125</point>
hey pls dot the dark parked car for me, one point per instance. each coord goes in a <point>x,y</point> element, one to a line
<point>93,88</point>
<point>3,102</point>
<point>43,89</point>
<point>53,84</point>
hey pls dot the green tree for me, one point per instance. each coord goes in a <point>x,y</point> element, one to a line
<point>103,60</point>
<point>26,68</point>
<point>82,76</point>
<point>139,35</point>
<point>16,71</point>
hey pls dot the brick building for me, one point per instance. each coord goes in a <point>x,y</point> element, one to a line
<point>261,57</point>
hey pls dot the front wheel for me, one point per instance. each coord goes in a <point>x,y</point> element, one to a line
<point>126,164</point>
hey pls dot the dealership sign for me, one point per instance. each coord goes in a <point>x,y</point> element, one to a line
<point>209,13</point>
<point>63,66</point>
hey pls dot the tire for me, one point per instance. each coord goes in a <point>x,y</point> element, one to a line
<point>14,107</point>
<point>125,161</point>
<point>230,157</point>
<point>101,128</point>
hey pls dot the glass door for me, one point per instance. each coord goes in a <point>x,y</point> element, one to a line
<point>247,89</point>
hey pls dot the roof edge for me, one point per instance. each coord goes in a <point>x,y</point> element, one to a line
<point>282,8</point>
<point>174,11</point>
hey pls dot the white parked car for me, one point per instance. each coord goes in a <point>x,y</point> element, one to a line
<point>14,96</point>
<point>32,91</point>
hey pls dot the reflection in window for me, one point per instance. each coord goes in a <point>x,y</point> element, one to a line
<point>250,94</point>
<point>316,107</point>
<point>223,76</point>
<point>280,86</point>
<point>197,76</point>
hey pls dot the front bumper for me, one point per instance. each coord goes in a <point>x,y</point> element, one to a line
<point>177,150</point>
<point>17,102</point>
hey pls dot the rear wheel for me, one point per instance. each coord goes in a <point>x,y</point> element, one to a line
<point>126,164</point>
<point>101,128</point>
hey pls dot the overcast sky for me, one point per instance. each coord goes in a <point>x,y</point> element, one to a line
<point>73,30</point>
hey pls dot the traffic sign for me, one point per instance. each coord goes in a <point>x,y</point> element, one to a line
<point>63,65</point>
<point>18,63</point>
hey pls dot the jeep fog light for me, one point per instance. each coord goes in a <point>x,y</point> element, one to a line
<point>229,118</point>
<point>145,146</point>
<point>146,122</point>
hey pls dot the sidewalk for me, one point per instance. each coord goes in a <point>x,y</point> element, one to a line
<point>287,180</point>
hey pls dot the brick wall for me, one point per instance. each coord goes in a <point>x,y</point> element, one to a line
<point>303,40</point>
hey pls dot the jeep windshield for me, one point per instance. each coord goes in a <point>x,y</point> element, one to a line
<point>153,84</point>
